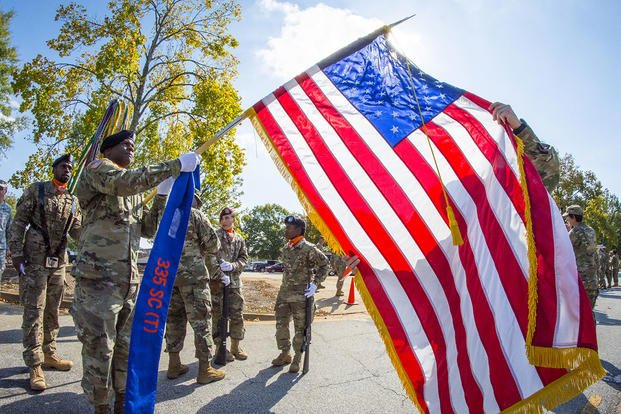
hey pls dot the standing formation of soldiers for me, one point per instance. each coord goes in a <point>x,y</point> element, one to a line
<point>107,217</point>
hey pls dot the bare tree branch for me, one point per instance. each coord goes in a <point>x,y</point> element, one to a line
<point>158,118</point>
<point>108,87</point>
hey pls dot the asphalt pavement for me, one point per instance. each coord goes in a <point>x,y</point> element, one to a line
<point>350,373</point>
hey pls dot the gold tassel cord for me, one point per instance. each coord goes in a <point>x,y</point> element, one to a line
<point>531,248</point>
<point>453,225</point>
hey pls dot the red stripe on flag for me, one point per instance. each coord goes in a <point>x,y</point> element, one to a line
<point>407,358</point>
<point>513,189</point>
<point>492,153</point>
<point>414,223</point>
<point>381,237</point>
<point>509,271</point>
<point>505,387</point>
<point>483,103</point>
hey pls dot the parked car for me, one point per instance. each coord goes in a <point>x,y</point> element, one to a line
<point>256,265</point>
<point>277,267</point>
<point>262,265</point>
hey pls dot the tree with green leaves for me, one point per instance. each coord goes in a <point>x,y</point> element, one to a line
<point>575,185</point>
<point>265,227</point>
<point>602,209</point>
<point>170,59</point>
<point>9,123</point>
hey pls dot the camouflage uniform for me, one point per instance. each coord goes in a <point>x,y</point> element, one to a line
<point>338,264</point>
<point>303,263</point>
<point>106,272</point>
<point>613,267</point>
<point>233,250</point>
<point>543,156</point>
<point>191,298</point>
<point>583,240</point>
<point>6,213</point>
<point>601,259</point>
<point>41,288</point>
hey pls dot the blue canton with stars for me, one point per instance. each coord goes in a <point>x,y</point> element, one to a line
<point>377,82</point>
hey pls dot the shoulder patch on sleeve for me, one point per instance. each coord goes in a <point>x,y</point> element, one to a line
<point>95,163</point>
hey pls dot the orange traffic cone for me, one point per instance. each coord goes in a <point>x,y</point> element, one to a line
<point>351,299</point>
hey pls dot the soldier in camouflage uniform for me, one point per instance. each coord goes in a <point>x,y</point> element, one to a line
<point>601,259</point>
<point>6,214</point>
<point>50,213</point>
<point>613,268</point>
<point>106,272</point>
<point>337,264</point>
<point>304,266</point>
<point>583,241</point>
<point>191,299</point>
<point>232,257</point>
<point>544,156</point>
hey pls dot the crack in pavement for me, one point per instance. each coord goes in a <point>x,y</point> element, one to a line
<point>345,382</point>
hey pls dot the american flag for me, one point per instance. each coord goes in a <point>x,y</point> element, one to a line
<point>349,137</point>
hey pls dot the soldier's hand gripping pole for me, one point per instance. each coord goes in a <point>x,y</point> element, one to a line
<point>223,327</point>
<point>306,340</point>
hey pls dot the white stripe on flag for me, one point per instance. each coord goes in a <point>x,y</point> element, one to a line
<point>567,284</point>
<point>504,210</point>
<point>410,322</point>
<point>494,130</point>
<point>418,197</point>
<point>400,235</point>
<point>507,328</point>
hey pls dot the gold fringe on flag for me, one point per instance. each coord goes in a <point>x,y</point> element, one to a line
<point>334,245</point>
<point>583,363</point>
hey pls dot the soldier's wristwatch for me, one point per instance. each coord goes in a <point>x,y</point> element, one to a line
<point>521,128</point>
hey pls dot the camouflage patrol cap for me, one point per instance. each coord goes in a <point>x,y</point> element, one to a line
<point>226,211</point>
<point>296,221</point>
<point>574,210</point>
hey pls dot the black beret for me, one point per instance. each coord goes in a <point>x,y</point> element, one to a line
<point>115,139</point>
<point>226,211</point>
<point>63,158</point>
<point>296,221</point>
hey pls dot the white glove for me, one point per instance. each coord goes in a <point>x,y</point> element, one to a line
<point>189,161</point>
<point>165,186</point>
<point>226,280</point>
<point>310,290</point>
<point>226,266</point>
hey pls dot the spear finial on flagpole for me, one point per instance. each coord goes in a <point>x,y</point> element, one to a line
<point>390,26</point>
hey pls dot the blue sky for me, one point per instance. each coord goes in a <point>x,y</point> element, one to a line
<point>557,63</point>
